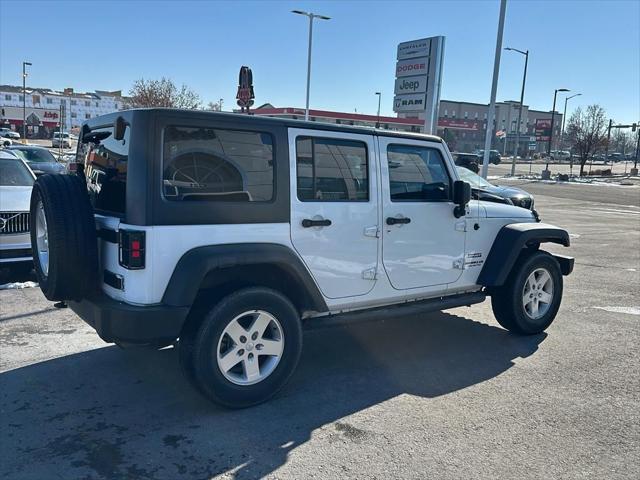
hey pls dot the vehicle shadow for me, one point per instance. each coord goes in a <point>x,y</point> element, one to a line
<point>109,413</point>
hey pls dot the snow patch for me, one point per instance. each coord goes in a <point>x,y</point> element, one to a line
<point>627,310</point>
<point>12,285</point>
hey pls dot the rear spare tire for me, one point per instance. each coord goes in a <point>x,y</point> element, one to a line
<point>63,237</point>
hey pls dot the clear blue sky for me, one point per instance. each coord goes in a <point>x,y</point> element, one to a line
<point>591,47</point>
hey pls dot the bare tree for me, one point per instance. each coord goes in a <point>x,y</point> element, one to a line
<point>215,106</point>
<point>587,132</point>
<point>162,93</point>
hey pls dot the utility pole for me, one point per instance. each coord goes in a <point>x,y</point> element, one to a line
<point>494,88</point>
<point>606,148</point>
<point>546,173</point>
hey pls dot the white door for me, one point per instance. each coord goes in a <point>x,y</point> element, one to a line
<point>334,209</point>
<point>423,242</point>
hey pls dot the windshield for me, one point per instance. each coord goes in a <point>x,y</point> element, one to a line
<point>475,180</point>
<point>39,155</point>
<point>13,173</point>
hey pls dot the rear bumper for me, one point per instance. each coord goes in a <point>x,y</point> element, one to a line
<point>117,321</point>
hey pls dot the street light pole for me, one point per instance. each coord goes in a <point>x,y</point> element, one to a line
<point>379,94</point>
<point>564,116</point>
<point>24,101</point>
<point>311,17</point>
<point>524,81</point>
<point>553,114</point>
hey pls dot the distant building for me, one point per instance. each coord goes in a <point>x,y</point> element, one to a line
<point>43,108</point>
<point>461,124</point>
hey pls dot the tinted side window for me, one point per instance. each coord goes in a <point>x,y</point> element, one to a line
<point>217,165</point>
<point>332,170</point>
<point>104,162</point>
<point>417,174</point>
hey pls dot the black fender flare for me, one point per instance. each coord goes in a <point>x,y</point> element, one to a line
<point>197,263</point>
<point>509,244</point>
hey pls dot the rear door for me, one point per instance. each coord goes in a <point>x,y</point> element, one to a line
<point>422,241</point>
<point>334,209</point>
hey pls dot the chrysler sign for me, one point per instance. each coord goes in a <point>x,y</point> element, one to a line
<point>411,85</point>
<point>415,48</point>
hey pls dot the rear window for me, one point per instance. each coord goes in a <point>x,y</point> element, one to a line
<point>217,165</point>
<point>13,173</point>
<point>105,169</point>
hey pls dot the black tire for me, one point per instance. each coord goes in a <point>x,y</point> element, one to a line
<point>199,353</point>
<point>507,301</point>
<point>72,242</point>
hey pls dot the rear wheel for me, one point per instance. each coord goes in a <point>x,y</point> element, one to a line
<point>246,348</point>
<point>529,301</point>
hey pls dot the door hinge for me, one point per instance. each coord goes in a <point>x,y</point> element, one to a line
<point>373,231</point>
<point>458,264</point>
<point>370,274</point>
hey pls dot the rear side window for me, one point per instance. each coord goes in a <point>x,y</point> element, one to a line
<point>332,170</point>
<point>105,169</point>
<point>217,165</point>
<point>417,174</point>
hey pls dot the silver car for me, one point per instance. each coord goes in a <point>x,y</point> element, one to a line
<point>16,182</point>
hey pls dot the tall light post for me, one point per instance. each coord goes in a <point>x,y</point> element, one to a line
<point>524,81</point>
<point>379,94</point>
<point>311,17</point>
<point>553,115</point>
<point>24,101</point>
<point>564,116</point>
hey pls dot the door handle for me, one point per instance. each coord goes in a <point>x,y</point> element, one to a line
<point>307,223</point>
<point>395,221</point>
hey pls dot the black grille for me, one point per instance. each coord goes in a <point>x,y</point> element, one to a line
<point>14,222</point>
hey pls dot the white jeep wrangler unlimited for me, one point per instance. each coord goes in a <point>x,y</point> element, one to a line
<point>228,231</point>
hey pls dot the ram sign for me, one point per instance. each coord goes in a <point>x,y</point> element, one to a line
<point>408,103</point>
<point>418,77</point>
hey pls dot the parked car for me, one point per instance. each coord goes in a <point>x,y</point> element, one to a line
<point>514,195</point>
<point>39,159</point>
<point>8,133</point>
<point>16,182</point>
<point>494,156</point>
<point>5,142</point>
<point>560,155</point>
<point>61,140</point>
<point>470,161</point>
<point>229,231</point>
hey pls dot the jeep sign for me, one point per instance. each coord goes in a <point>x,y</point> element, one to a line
<point>418,77</point>
<point>411,85</point>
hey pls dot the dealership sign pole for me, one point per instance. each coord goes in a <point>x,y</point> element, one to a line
<point>418,79</point>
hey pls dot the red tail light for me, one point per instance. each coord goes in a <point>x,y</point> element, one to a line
<point>132,249</point>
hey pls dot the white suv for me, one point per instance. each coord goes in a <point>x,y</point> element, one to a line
<point>61,140</point>
<point>230,231</point>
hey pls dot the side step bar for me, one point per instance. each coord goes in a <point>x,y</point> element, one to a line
<point>398,310</point>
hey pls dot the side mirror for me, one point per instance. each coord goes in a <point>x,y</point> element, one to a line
<point>119,127</point>
<point>461,196</point>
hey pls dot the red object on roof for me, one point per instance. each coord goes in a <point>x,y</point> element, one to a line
<point>340,115</point>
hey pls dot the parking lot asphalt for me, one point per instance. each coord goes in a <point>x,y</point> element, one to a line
<point>443,395</point>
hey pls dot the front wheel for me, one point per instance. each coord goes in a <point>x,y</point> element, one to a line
<point>529,301</point>
<point>247,347</point>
